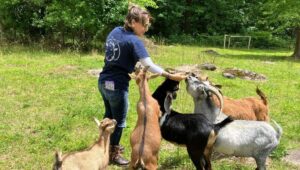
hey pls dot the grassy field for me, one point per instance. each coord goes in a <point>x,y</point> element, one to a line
<point>48,101</point>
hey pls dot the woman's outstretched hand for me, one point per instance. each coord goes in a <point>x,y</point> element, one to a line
<point>177,76</point>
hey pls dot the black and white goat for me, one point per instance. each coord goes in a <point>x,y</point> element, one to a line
<point>192,130</point>
<point>241,138</point>
<point>168,86</point>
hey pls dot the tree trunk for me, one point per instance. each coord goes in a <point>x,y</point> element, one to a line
<point>1,33</point>
<point>187,17</point>
<point>296,54</point>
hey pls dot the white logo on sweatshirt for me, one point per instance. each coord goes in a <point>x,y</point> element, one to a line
<point>113,50</point>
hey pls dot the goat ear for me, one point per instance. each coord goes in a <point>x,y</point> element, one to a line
<point>219,86</point>
<point>193,74</point>
<point>146,68</point>
<point>132,76</point>
<point>170,70</point>
<point>168,103</point>
<point>104,122</point>
<point>58,155</point>
<point>152,76</point>
<point>97,122</point>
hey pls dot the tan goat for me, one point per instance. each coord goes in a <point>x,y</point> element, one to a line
<point>250,108</point>
<point>94,158</point>
<point>146,137</point>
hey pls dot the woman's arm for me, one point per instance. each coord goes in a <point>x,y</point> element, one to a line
<point>158,70</point>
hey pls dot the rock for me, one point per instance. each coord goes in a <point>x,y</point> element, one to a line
<point>228,75</point>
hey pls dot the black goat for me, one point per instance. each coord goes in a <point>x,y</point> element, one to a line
<point>192,130</point>
<point>160,93</point>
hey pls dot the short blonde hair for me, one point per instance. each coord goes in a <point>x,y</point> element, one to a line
<point>138,14</point>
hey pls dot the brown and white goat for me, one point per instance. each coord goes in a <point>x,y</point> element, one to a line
<point>94,158</point>
<point>249,108</point>
<point>145,138</point>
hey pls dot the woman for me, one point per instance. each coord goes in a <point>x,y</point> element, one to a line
<point>123,49</point>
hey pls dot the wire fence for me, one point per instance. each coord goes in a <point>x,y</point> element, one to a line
<point>256,41</point>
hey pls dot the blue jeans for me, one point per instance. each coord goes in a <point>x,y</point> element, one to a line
<point>116,107</point>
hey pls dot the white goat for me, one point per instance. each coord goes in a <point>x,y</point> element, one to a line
<point>242,138</point>
<point>94,158</point>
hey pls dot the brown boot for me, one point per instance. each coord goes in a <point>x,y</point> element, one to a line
<point>115,155</point>
<point>121,148</point>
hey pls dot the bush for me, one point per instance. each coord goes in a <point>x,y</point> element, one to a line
<point>182,39</point>
<point>202,40</point>
<point>262,39</point>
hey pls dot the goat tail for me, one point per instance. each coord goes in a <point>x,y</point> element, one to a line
<point>58,160</point>
<point>278,129</point>
<point>220,125</point>
<point>139,164</point>
<point>262,95</point>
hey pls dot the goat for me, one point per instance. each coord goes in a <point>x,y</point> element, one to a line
<point>249,108</point>
<point>241,138</point>
<point>94,158</point>
<point>145,138</point>
<point>191,130</point>
<point>168,86</point>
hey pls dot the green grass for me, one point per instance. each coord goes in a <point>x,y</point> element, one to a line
<point>48,101</point>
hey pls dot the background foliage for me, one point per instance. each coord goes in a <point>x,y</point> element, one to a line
<point>84,24</point>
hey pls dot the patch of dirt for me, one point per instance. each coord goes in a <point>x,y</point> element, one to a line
<point>293,157</point>
<point>211,52</point>
<point>228,72</point>
<point>94,72</point>
<point>244,74</point>
<point>4,157</point>
<point>244,161</point>
<point>188,68</point>
<point>196,69</point>
<point>208,66</point>
<point>67,68</point>
<point>247,160</point>
<point>63,69</point>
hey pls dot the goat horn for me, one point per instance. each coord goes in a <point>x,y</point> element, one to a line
<point>219,96</point>
<point>97,122</point>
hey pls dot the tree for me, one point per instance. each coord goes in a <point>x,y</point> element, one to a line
<point>16,19</point>
<point>144,3</point>
<point>286,14</point>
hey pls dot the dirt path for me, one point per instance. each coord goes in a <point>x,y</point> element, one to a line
<point>293,157</point>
